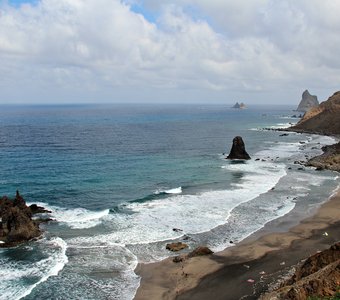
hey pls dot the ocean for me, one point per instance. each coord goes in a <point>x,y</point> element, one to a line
<point>119,178</point>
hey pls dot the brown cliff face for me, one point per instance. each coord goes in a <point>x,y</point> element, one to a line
<point>318,276</point>
<point>323,119</point>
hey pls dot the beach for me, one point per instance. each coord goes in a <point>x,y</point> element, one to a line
<point>244,270</point>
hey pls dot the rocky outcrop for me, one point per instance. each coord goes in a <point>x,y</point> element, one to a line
<point>318,276</point>
<point>307,102</point>
<point>238,149</point>
<point>323,119</point>
<point>175,247</point>
<point>16,224</point>
<point>329,160</point>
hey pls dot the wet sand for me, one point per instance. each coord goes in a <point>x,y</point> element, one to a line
<point>263,257</point>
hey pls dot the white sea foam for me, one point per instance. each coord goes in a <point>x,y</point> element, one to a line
<point>153,221</point>
<point>76,218</point>
<point>108,255</point>
<point>79,218</point>
<point>282,125</point>
<point>15,274</point>
<point>170,191</point>
<point>90,256</point>
<point>281,150</point>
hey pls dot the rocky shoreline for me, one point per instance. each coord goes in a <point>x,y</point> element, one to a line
<point>16,221</point>
<point>318,275</point>
<point>329,160</point>
<point>273,266</point>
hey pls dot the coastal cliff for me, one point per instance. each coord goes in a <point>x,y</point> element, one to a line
<point>323,119</point>
<point>319,275</point>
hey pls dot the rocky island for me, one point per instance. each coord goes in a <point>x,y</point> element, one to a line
<point>239,105</point>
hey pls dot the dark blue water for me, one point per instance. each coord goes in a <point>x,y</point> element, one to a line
<point>120,177</point>
<point>90,155</point>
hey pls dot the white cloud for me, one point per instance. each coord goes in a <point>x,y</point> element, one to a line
<point>101,50</point>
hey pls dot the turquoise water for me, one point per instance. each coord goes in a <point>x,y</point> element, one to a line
<point>119,178</point>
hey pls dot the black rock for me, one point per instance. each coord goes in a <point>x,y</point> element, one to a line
<point>238,150</point>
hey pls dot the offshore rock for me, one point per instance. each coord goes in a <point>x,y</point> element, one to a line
<point>307,102</point>
<point>238,150</point>
<point>239,105</point>
<point>16,224</point>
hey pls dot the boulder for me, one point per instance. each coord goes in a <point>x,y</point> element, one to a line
<point>174,247</point>
<point>200,251</point>
<point>238,150</point>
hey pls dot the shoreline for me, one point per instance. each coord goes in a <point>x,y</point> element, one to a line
<point>202,277</point>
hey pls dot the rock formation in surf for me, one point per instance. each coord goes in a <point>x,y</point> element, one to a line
<point>238,150</point>
<point>16,224</point>
<point>307,102</point>
<point>318,276</point>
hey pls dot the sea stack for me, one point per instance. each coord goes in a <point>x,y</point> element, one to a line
<point>307,102</point>
<point>238,150</point>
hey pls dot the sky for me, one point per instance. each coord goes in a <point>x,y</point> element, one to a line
<point>203,51</point>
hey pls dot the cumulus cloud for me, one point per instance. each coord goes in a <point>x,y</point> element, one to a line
<point>106,50</point>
